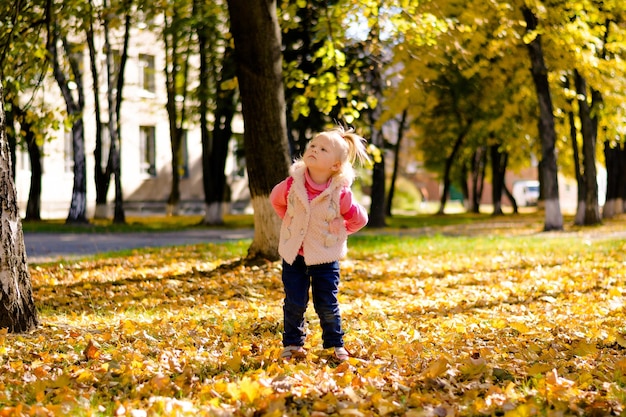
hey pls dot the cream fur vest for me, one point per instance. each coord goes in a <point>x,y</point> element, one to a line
<point>306,223</point>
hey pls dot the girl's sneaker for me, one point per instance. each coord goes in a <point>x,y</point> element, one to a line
<point>341,354</point>
<point>290,352</point>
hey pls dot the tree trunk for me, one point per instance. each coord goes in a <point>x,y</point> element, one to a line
<point>33,207</point>
<point>446,175</point>
<point>612,162</point>
<point>592,210</point>
<point>177,40</point>
<point>377,207</point>
<point>498,169</point>
<point>622,181</point>
<point>396,159</point>
<point>78,206</point>
<point>573,132</point>
<point>547,134</point>
<point>17,306</point>
<point>12,136</point>
<point>119,216</point>
<point>114,103</point>
<point>102,174</point>
<point>255,29</point>
<point>215,148</point>
<point>509,195</point>
<point>478,177</point>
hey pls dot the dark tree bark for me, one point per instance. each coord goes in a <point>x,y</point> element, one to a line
<point>509,195</point>
<point>591,208</point>
<point>215,146</point>
<point>11,136</point>
<point>114,99</point>
<point>479,165</point>
<point>498,170</point>
<point>621,188</point>
<point>614,177</point>
<point>573,132</point>
<point>448,169</point>
<point>17,305</point>
<point>177,41</point>
<point>547,165</point>
<point>377,206</point>
<point>396,159</point>
<point>102,174</point>
<point>33,207</point>
<point>255,29</point>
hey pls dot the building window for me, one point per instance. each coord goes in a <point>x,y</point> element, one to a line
<point>146,73</point>
<point>147,150</point>
<point>68,152</point>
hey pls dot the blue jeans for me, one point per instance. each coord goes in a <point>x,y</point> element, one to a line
<point>324,281</point>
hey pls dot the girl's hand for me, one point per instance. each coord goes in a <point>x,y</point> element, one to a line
<point>335,225</point>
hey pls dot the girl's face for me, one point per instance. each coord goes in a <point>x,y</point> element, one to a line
<point>322,155</point>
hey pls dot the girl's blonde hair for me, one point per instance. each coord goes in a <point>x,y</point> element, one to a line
<point>355,149</point>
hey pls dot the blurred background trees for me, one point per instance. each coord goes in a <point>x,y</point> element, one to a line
<point>470,90</point>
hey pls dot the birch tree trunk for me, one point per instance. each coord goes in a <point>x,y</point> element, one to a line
<point>17,306</point>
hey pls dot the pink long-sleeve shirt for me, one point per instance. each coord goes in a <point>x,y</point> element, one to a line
<point>354,214</point>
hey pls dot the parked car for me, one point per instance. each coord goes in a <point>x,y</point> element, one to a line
<point>526,192</point>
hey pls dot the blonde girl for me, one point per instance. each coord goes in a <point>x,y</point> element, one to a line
<point>318,212</point>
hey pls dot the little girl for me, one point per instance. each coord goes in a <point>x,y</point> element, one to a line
<point>318,213</point>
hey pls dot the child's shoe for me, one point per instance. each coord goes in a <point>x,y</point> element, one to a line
<point>290,352</point>
<point>341,354</point>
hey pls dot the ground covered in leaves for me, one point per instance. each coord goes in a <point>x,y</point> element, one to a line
<point>439,325</point>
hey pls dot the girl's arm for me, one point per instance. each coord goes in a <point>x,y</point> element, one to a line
<point>353,213</point>
<point>278,196</point>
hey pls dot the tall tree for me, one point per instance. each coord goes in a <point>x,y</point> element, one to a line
<point>17,306</point>
<point>553,219</point>
<point>498,169</point>
<point>217,93</point>
<point>29,122</point>
<point>115,64</point>
<point>589,183</point>
<point>177,38</point>
<point>115,86</point>
<point>75,105</point>
<point>396,162</point>
<point>256,33</point>
<point>215,149</point>
<point>376,82</point>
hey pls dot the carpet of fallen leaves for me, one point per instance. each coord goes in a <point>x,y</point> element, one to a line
<point>520,325</point>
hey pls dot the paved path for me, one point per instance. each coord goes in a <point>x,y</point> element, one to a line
<point>47,247</point>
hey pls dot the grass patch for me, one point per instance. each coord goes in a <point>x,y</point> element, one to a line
<point>137,224</point>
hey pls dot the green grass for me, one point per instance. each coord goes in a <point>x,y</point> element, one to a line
<point>172,223</point>
<point>137,224</point>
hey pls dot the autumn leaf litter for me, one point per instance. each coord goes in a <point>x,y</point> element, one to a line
<point>438,326</point>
